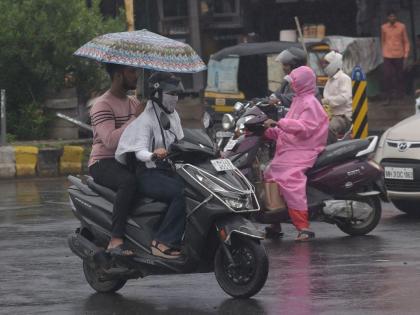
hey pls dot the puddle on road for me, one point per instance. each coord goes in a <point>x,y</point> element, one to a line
<point>33,198</point>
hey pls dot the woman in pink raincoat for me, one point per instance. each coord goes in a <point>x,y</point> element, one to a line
<point>300,137</point>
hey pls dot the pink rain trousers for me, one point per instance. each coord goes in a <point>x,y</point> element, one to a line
<point>300,137</point>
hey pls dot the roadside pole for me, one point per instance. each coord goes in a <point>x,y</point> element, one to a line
<point>3,117</point>
<point>194,23</point>
<point>301,39</point>
<point>359,104</point>
<point>129,14</point>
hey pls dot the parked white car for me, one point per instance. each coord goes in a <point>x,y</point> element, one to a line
<point>399,153</point>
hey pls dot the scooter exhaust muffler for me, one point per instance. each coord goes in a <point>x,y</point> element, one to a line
<point>82,247</point>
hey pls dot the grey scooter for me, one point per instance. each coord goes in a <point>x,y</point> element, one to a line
<point>217,236</point>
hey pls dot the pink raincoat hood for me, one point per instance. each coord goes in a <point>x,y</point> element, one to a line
<point>303,81</point>
<point>305,126</point>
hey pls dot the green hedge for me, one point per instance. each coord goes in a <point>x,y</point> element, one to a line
<point>37,40</point>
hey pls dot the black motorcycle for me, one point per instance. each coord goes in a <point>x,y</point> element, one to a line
<point>233,124</point>
<point>217,236</point>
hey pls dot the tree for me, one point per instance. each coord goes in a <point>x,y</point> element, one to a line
<point>38,39</point>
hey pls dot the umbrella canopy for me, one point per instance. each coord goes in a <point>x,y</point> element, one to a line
<point>143,49</point>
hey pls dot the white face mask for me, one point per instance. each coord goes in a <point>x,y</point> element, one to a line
<point>169,102</point>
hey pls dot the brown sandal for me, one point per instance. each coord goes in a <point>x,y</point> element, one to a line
<point>120,250</point>
<point>305,235</point>
<point>168,253</point>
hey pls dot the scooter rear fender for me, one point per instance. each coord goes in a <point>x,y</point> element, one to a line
<point>344,178</point>
<point>236,224</point>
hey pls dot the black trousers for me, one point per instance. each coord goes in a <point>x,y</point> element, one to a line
<point>167,187</point>
<point>114,175</point>
<point>393,79</point>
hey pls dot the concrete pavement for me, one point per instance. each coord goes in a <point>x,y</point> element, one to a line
<point>334,274</point>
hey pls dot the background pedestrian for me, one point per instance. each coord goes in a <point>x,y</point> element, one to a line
<point>395,50</point>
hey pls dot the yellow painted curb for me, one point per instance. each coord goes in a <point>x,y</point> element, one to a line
<point>71,160</point>
<point>26,159</point>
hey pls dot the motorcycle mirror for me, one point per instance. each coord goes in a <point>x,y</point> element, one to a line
<point>165,122</point>
<point>238,106</point>
<point>208,122</point>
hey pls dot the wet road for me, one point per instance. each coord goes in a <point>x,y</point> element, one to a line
<point>334,274</point>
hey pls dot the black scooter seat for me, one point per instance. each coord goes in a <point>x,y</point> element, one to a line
<point>340,151</point>
<point>143,206</point>
<point>105,192</point>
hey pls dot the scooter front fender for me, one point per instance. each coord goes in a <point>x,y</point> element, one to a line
<point>236,224</point>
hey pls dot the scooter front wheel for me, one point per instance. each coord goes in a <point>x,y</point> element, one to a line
<point>97,282</point>
<point>248,274</point>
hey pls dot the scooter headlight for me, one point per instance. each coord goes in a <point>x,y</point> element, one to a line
<point>240,125</point>
<point>237,203</point>
<point>228,121</point>
<point>235,200</point>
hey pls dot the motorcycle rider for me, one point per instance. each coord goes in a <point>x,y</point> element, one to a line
<point>300,137</point>
<point>290,59</point>
<point>148,138</point>
<point>110,115</point>
<point>337,94</point>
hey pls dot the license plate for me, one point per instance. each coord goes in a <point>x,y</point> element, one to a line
<point>230,145</point>
<point>222,165</point>
<point>405,173</point>
<point>224,134</point>
<point>220,101</point>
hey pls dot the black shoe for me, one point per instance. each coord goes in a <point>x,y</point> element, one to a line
<point>273,233</point>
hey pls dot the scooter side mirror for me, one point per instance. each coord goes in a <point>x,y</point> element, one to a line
<point>238,106</point>
<point>208,122</point>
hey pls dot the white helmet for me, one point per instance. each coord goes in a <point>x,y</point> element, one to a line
<point>335,63</point>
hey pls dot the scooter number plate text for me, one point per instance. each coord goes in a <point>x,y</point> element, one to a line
<point>405,173</point>
<point>230,145</point>
<point>221,165</point>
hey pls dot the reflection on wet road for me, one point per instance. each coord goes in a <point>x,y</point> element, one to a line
<point>334,274</point>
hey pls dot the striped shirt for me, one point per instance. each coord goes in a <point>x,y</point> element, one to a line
<point>109,116</point>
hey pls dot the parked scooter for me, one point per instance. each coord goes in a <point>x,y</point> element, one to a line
<point>217,236</point>
<point>344,185</point>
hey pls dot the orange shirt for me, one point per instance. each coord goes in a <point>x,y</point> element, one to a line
<point>394,40</point>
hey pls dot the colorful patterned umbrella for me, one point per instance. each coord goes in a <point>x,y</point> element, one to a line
<point>143,49</point>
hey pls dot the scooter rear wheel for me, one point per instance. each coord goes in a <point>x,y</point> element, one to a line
<point>93,277</point>
<point>249,274</point>
<point>356,228</point>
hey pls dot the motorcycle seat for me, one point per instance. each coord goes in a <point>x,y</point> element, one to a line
<point>143,205</point>
<point>340,151</point>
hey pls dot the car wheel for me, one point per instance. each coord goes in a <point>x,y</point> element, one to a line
<point>411,207</point>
